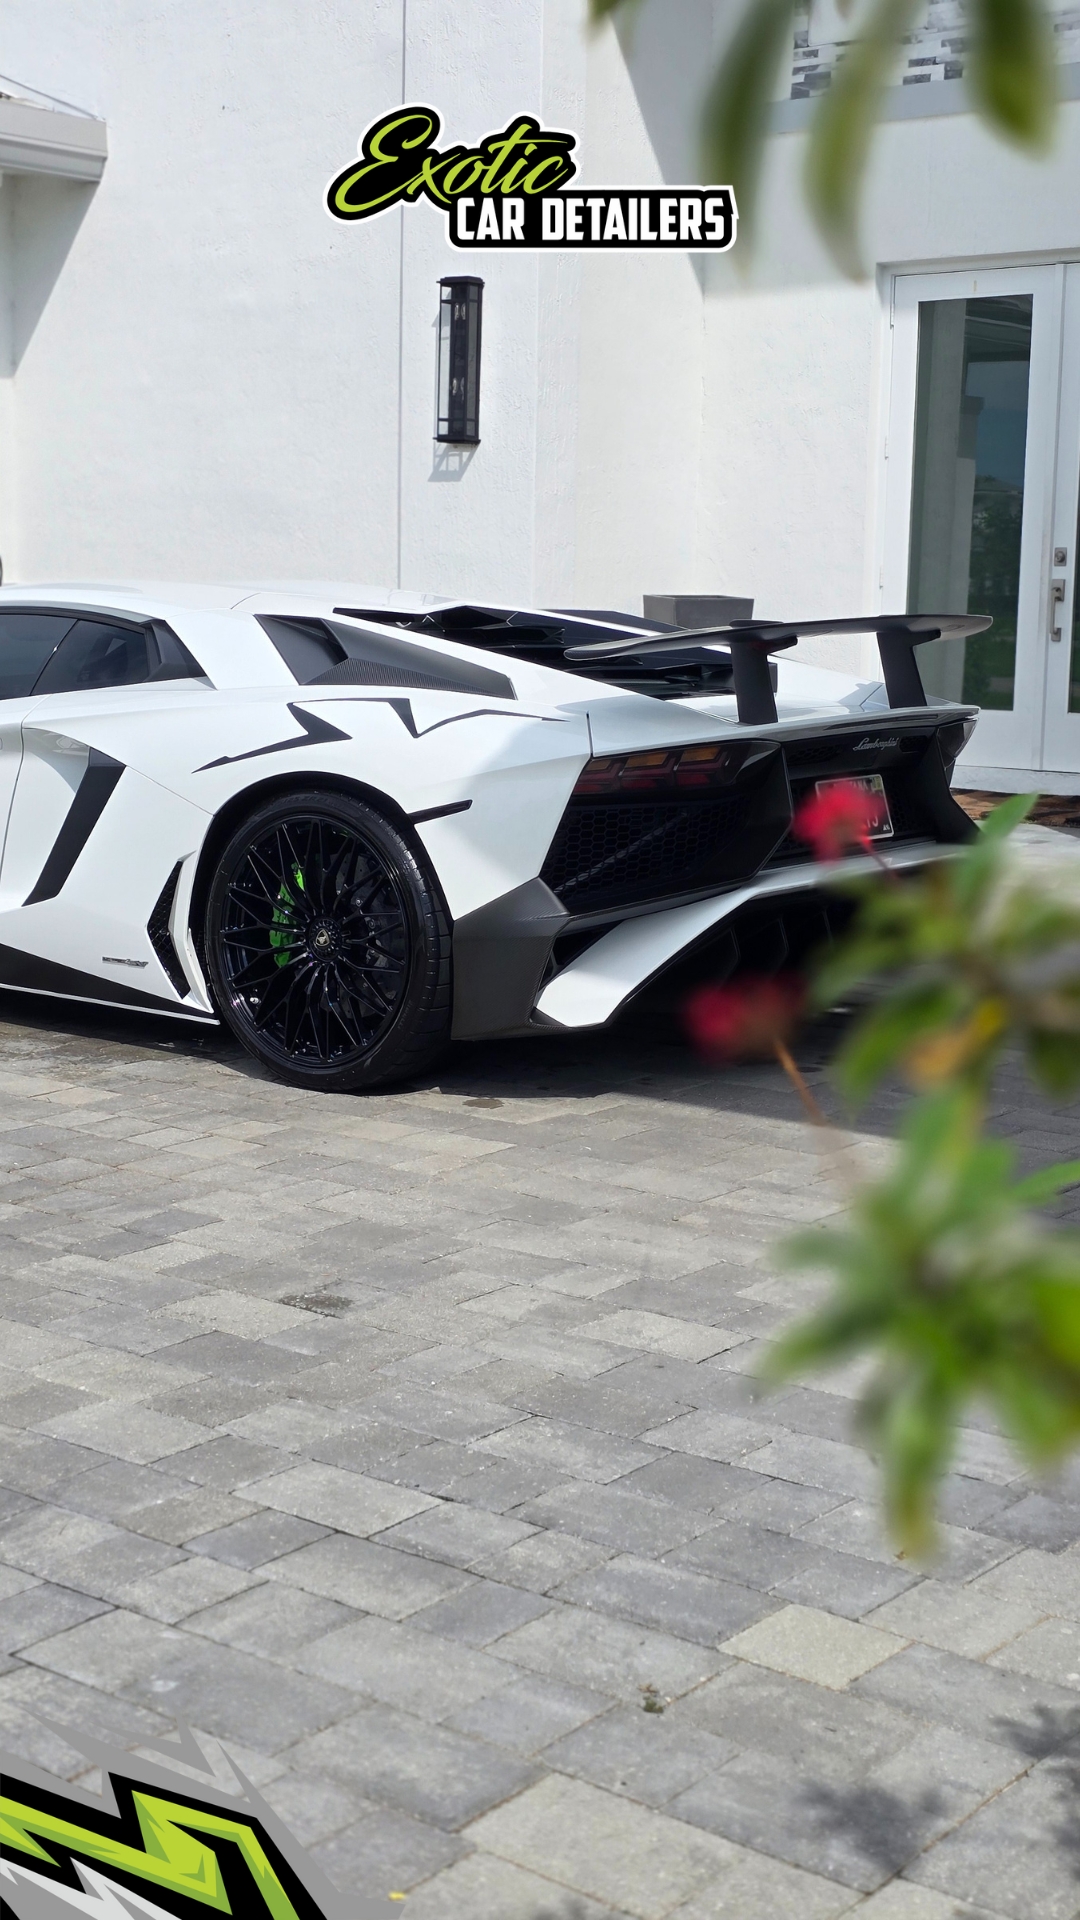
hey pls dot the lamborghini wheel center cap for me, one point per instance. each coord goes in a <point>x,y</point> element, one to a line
<point>322,939</point>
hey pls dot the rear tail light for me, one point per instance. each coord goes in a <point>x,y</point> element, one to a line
<point>953,738</point>
<point>670,770</point>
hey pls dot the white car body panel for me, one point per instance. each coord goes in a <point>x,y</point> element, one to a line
<point>98,923</point>
<point>171,759</point>
<point>517,768</point>
<point>591,989</point>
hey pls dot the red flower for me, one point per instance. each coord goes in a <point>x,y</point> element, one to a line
<point>842,815</point>
<point>750,1017</point>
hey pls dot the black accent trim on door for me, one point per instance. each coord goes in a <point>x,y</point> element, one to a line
<point>30,973</point>
<point>92,796</point>
<point>316,733</point>
<point>160,938</point>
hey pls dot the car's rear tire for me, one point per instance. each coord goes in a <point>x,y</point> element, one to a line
<point>327,945</point>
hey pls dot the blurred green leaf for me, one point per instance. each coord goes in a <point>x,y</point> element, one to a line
<point>1011,71</point>
<point>1002,819</point>
<point>1034,1409</point>
<point>911,1429</point>
<point>968,956</point>
<point>1058,1304</point>
<point>889,1031</point>
<point>735,116</point>
<point>1040,1187</point>
<point>1010,74</point>
<point>959,1293</point>
<point>1054,1059</point>
<point>844,123</point>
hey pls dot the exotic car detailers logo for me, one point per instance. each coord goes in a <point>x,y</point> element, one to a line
<point>147,1846</point>
<point>511,191</point>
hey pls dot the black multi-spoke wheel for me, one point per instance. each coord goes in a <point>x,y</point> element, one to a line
<point>326,944</point>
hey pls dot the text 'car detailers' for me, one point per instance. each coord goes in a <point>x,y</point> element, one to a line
<point>510,191</point>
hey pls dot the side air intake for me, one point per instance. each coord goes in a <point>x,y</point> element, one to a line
<point>161,939</point>
<point>329,653</point>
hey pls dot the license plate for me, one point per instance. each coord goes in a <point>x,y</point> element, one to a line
<point>879,819</point>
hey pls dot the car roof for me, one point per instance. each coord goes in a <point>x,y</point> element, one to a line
<point>224,596</point>
<point>264,596</point>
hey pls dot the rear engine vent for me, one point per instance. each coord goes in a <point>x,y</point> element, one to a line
<point>616,853</point>
<point>672,820</point>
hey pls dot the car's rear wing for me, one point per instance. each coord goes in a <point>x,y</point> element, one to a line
<point>752,641</point>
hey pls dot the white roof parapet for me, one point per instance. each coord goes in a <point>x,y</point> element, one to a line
<point>44,140</point>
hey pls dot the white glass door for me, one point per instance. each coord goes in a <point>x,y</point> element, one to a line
<point>972,445</point>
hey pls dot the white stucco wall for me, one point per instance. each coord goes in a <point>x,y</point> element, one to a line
<point>7,319</point>
<point>202,375</point>
<point>213,378</point>
<point>797,356</point>
<point>203,391</point>
<point>640,369</point>
<point>468,517</point>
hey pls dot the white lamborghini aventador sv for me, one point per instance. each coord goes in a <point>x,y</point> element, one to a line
<point>354,824</point>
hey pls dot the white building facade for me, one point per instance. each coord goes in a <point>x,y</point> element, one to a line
<point>203,376</point>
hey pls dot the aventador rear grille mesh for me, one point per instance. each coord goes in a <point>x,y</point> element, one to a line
<point>819,753</point>
<point>842,754</point>
<point>620,851</point>
<point>157,928</point>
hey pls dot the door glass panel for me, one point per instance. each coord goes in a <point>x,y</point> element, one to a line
<point>26,641</point>
<point>971,411</point>
<point>96,655</point>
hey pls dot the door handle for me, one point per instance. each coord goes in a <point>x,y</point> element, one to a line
<point>1057,596</point>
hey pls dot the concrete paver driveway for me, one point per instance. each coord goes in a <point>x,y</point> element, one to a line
<point>407,1446</point>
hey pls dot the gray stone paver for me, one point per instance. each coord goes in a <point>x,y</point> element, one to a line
<point>411,1447</point>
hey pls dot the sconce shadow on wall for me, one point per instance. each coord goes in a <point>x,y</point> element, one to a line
<point>452,463</point>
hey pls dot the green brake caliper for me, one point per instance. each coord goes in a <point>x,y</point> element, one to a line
<point>282,920</point>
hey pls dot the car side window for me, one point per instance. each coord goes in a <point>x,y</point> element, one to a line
<point>95,654</point>
<point>27,642</point>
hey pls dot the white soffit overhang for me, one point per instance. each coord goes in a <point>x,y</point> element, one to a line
<point>48,140</point>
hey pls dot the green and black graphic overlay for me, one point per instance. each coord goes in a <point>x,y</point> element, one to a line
<point>63,1850</point>
<point>511,191</point>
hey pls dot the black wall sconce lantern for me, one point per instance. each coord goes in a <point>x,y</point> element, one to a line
<point>458,385</point>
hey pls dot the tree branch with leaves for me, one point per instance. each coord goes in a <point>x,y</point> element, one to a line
<point>1009,74</point>
<point>945,1280</point>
